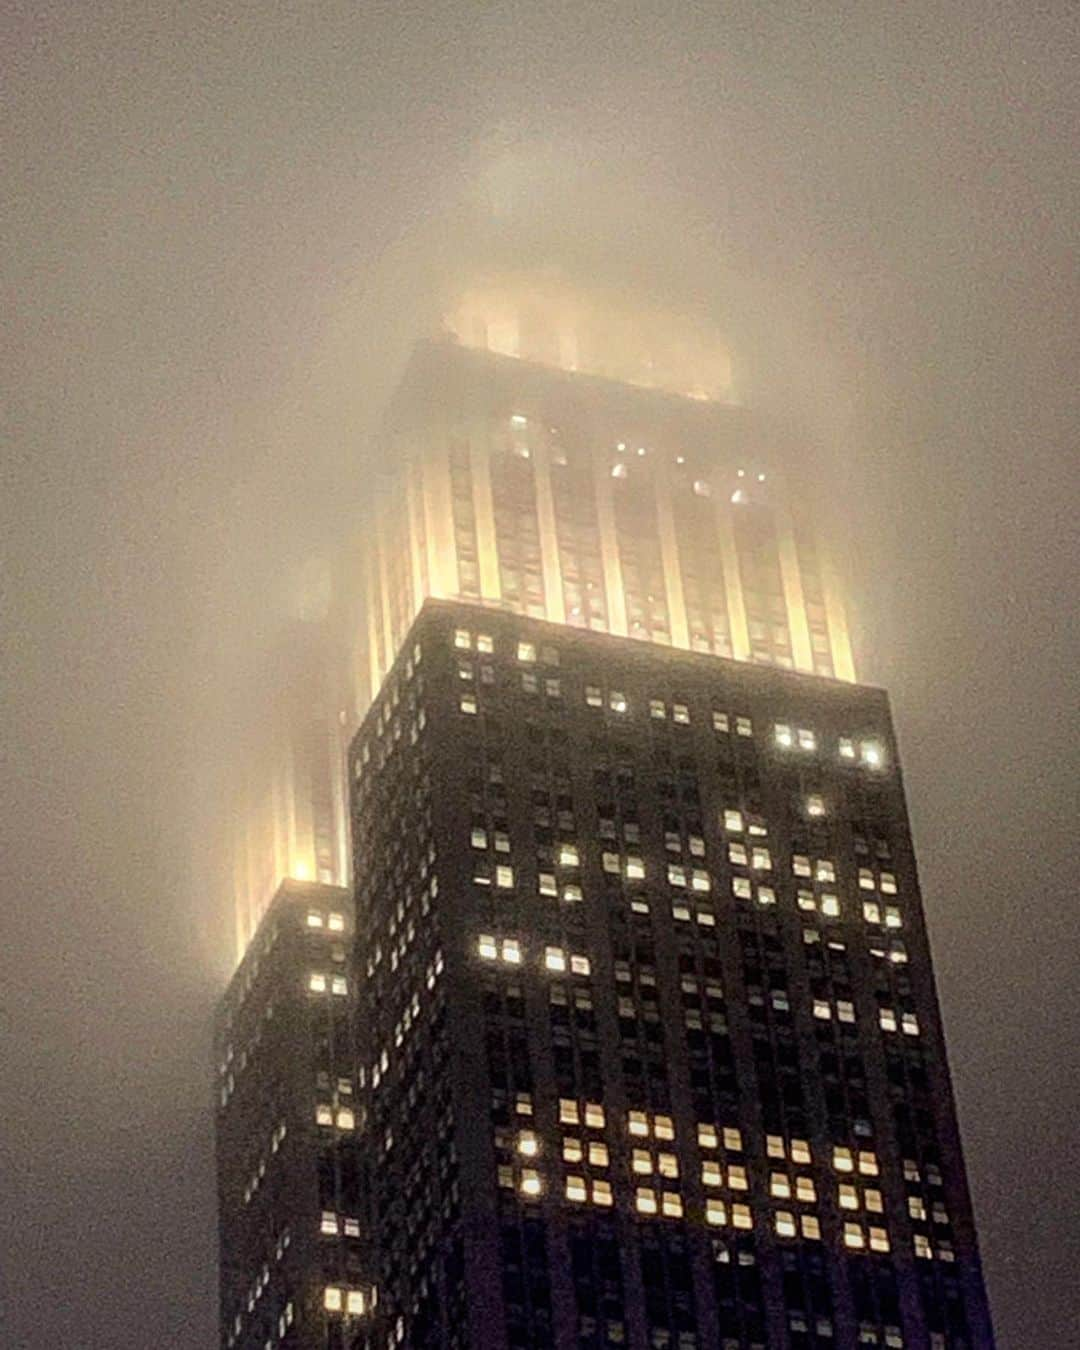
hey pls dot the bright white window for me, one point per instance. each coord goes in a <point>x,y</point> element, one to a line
<point>617,702</point>
<point>317,983</point>
<point>555,958</point>
<point>526,651</point>
<point>333,1298</point>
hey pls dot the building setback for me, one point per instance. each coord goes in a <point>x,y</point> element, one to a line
<point>290,1188</point>
<point>651,1054</point>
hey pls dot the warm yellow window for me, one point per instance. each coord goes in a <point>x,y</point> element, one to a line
<point>645,1200</point>
<point>575,1189</point>
<point>530,1182</point>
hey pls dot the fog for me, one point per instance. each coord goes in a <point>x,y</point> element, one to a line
<point>224,225</point>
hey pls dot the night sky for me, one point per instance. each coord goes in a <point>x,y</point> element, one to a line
<point>223,224</point>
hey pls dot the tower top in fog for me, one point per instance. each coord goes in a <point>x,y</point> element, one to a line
<point>542,316</point>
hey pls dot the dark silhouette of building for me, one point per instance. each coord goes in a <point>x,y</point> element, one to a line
<point>651,1048</point>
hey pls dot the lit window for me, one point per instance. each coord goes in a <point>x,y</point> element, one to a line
<point>332,1298</point>
<point>346,1120</point>
<point>528,1145</point>
<point>504,876</point>
<point>336,922</point>
<point>518,419</point>
<point>888,883</point>
<point>547,884</point>
<point>645,1200</point>
<point>800,865</point>
<point>598,1154</point>
<point>680,713</point>
<point>782,735</point>
<point>700,880</point>
<point>909,1024</point>
<point>355,1303</point>
<point>805,1190</point>
<point>707,1137</point>
<point>352,1227</point>
<point>736,1177</point>
<point>807,739</point>
<point>657,708</point>
<point>873,1202</point>
<point>732,1139</point>
<point>511,951</point>
<point>617,702</point>
<point>740,886</point>
<point>638,1123</point>
<point>576,1189</point>
<point>487,947</point>
<point>641,1162</point>
<point>715,1211</point>
<point>815,805</point>
<point>667,1164</point>
<point>811,1227</point>
<point>555,958</point>
<point>779,1185</point>
<point>339,985</point>
<point>676,874</point>
<point>572,1150</point>
<point>526,651</point>
<point>737,854</point>
<point>733,821</point>
<point>594,1116</point>
<point>314,919</point>
<point>800,1151</point>
<point>568,1111</point>
<point>774,1146</point>
<point>887,1019</point>
<point>711,1173</point>
<point>892,917</point>
<point>523,1103</point>
<point>328,1227</point>
<point>610,862</point>
<point>317,983</point>
<point>468,703</point>
<point>842,1159</point>
<point>830,906</point>
<point>761,860</point>
<point>744,726</point>
<point>720,721</point>
<point>568,855</point>
<point>671,1204</point>
<point>848,1196</point>
<point>916,1207</point>
<point>785,1223</point>
<point>846,748</point>
<point>845,1010</point>
<point>872,754</point>
<point>484,643</point>
<point>740,1216</point>
<point>530,1182</point>
<point>922,1246</point>
<point>324,1114</point>
<point>853,1236</point>
<point>593,696</point>
<point>579,965</point>
<point>825,870</point>
<point>635,869</point>
<point>601,1193</point>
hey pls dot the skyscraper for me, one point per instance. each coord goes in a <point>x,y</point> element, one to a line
<point>648,1050</point>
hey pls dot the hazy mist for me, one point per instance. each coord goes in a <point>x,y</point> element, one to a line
<point>224,226</point>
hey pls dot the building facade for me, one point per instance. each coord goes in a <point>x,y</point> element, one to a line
<point>290,1165</point>
<point>650,1047</point>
